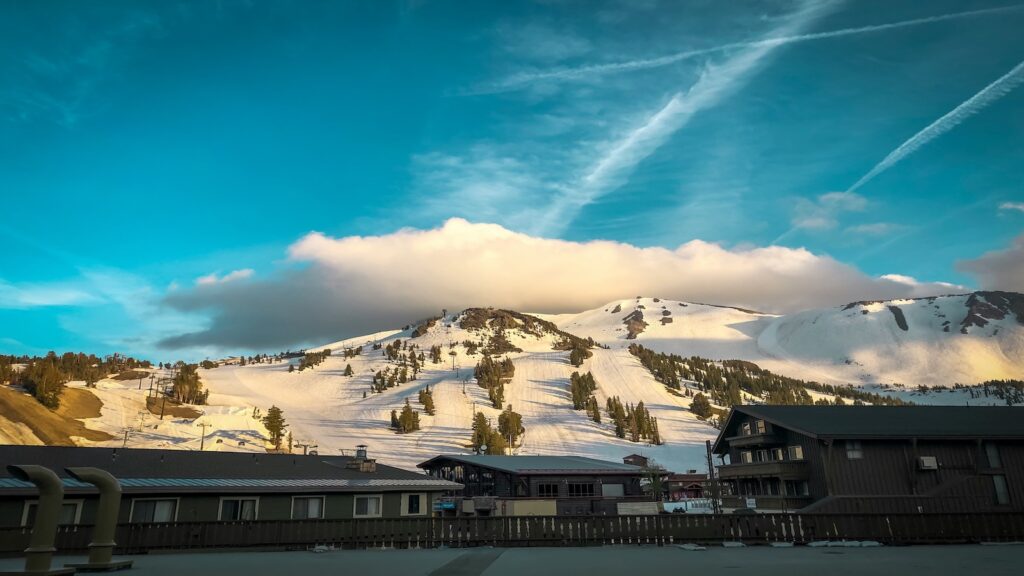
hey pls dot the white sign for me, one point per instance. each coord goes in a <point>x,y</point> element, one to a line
<point>751,503</point>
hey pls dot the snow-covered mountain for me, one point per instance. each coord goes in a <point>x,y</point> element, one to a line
<point>933,341</point>
<point>940,341</point>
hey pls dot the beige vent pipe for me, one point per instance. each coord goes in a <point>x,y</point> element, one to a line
<point>40,550</point>
<point>101,549</point>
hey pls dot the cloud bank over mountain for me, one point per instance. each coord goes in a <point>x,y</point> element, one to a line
<point>338,287</point>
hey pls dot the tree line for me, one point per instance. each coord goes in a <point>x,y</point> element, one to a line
<point>726,381</point>
<point>44,377</point>
<point>492,375</point>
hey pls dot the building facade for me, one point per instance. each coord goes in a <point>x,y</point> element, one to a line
<point>562,485</point>
<point>189,486</point>
<point>872,458</point>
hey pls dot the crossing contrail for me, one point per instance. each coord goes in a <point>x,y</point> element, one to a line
<point>520,80</point>
<point>952,119</point>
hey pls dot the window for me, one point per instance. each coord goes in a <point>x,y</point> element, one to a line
<point>796,452</point>
<point>854,450</point>
<point>70,513</point>
<point>547,490</point>
<point>797,488</point>
<point>759,427</point>
<point>307,507</point>
<point>367,506</point>
<point>745,428</point>
<point>414,504</point>
<point>762,456</point>
<point>154,510</point>
<point>992,452</point>
<point>581,490</point>
<point>234,509</point>
<point>778,454</point>
<point>613,490</point>
<point>1002,494</point>
<point>746,457</point>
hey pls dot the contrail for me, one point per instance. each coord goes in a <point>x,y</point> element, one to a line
<point>612,169</point>
<point>521,80</point>
<point>952,119</point>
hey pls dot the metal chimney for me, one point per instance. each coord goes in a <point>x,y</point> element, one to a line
<point>39,553</point>
<point>101,548</point>
<point>361,451</point>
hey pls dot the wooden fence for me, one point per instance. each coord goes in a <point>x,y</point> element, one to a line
<point>658,530</point>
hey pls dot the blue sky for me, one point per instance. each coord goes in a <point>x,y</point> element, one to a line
<point>150,149</point>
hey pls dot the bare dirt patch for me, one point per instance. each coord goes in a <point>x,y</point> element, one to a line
<point>53,428</point>
<point>79,403</point>
<point>172,408</point>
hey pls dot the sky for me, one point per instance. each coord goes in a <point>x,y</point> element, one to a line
<point>201,178</point>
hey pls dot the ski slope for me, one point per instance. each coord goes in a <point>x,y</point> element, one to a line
<point>859,343</point>
<point>326,408</point>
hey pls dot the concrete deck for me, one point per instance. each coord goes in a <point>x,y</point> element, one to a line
<point>764,561</point>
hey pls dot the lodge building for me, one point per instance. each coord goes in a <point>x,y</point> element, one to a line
<point>872,459</point>
<point>541,485</point>
<point>190,486</point>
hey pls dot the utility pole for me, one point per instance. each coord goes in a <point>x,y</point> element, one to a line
<point>202,441</point>
<point>715,502</point>
<point>163,405</point>
<point>453,354</point>
<point>126,431</point>
<point>152,377</point>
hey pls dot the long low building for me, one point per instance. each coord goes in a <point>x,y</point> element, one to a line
<point>190,486</point>
<point>541,485</point>
<point>872,458</point>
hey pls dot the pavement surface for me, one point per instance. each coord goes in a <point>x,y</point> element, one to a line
<point>614,560</point>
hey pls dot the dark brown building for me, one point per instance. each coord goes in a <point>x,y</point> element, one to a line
<point>872,458</point>
<point>576,485</point>
<point>685,486</point>
<point>184,485</point>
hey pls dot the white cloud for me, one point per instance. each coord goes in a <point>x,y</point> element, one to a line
<point>920,289</point>
<point>359,284</point>
<point>999,269</point>
<point>823,212</point>
<point>1018,206</point>
<point>873,229</point>
<point>38,295</point>
<point>212,278</point>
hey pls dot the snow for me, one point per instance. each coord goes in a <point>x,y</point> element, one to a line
<point>124,407</point>
<point>858,345</point>
<point>326,408</point>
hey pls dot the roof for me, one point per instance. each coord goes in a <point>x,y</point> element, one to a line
<point>145,470</point>
<point>881,422</point>
<point>540,464</point>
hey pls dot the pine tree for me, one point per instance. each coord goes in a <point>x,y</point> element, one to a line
<point>394,419</point>
<point>348,370</point>
<point>701,407</point>
<point>510,424</point>
<point>291,367</point>
<point>275,424</point>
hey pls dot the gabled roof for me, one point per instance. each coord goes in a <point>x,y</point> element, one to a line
<point>144,470</point>
<point>539,464</point>
<point>881,422</point>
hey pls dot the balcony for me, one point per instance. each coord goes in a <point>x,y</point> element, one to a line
<point>766,439</point>
<point>767,503</point>
<point>785,469</point>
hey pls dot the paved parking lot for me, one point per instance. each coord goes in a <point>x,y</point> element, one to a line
<point>764,561</point>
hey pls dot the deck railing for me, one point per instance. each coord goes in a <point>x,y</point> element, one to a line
<point>665,529</point>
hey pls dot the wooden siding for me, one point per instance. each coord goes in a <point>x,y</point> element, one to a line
<point>889,469</point>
